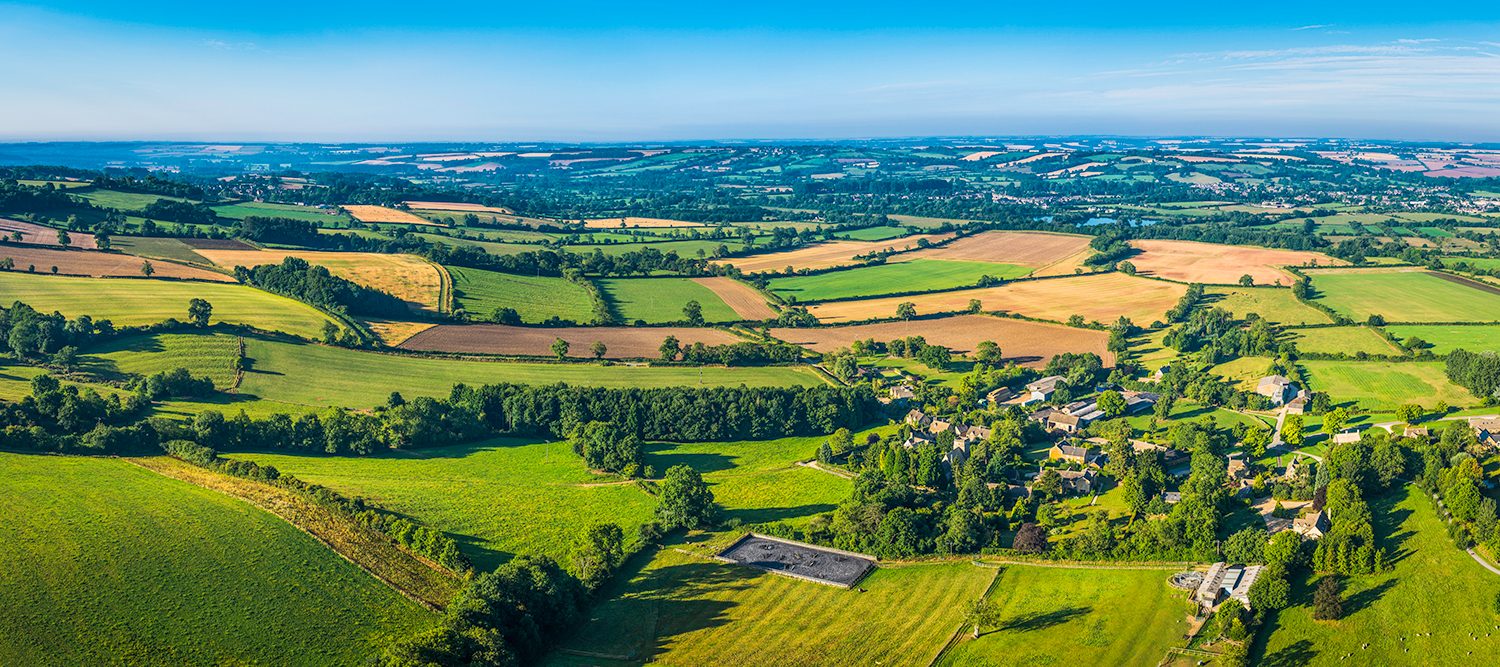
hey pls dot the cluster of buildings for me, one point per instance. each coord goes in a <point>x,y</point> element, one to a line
<point>1283,392</point>
<point>925,430</point>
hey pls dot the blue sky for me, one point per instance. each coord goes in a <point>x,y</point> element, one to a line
<point>583,71</point>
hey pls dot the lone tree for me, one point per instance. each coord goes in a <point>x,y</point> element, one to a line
<point>669,349</point>
<point>693,313</point>
<point>199,312</point>
<point>1030,539</point>
<point>1328,604</point>
<point>988,352</point>
<point>1410,413</point>
<point>63,239</point>
<point>1126,268</point>
<point>825,453</point>
<point>598,348</point>
<point>505,315</point>
<point>101,240</point>
<point>1291,431</point>
<point>975,305</point>
<point>906,310</point>
<point>685,499</point>
<point>596,552</point>
<point>7,264</point>
<point>1247,280</point>
<point>560,348</point>
<point>980,613</point>
<point>146,269</point>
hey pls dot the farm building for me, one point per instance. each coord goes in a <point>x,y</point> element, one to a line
<point>1225,582</point>
<point>1074,454</point>
<point>1311,526</point>
<point>1043,389</point>
<point>1297,406</point>
<point>1062,421</point>
<point>1171,497</point>
<point>999,396</point>
<point>1276,388</point>
<point>902,393</point>
<point>1347,437</point>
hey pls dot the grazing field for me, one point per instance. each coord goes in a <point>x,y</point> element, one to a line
<point>615,223</point>
<point>1333,340</point>
<point>1193,262</point>
<point>157,247</point>
<point>112,564</point>
<point>381,214</point>
<point>874,233</point>
<point>824,255</point>
<point>1029,344</point>
<point>661,300</point>
<point>1115,617</point>
<point>534,298</point>
<point>1404,296</point>
<point>208,355</point>
<point>1025,249</point>
<point>912,276</point>
<point>43,235</point>
<point>623,342</point>
<point>407,277</point>
<point>136,302</point>
<point>100,264</point>
<point>683,610</point>
<point>1445,339</point>
<point>320,376</point>
<point>457,206</point>
<point>1276,305</point>
<point>321,217</point>
<point>688,248</point>
<point>490,247</point>
<point>1383,386</point>
<point>1433,589</point>
<point>1103,297</point>
<point>743,299</point>
<point>1243,372</point>
<point>125,201</point>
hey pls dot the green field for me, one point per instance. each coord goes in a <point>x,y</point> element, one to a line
<point>125,201</point>
<point>1445,339</point>
<point>1275,305</point>
<point>687,248</point>
<point>918,275</point>
<point>110,564</point>
<point>128,302</point>
<point>158,248</point>
<point>308,213</point>
<point>204,355</point>
<point>1244,372</point>
<point>683,610</point>
<point>1404,297</point>
<point>489,247</point>
<point>1094,617</point>
<point>1481,262</point>
<point>534,298</point>
<point>510,496</point>
<point>874,233</point>
<point>1433,588</point>
<point>660,300</point>
<point>1332,340</point>
<point>1383,386</point>
<point>1436,231</point>
<point>315,375</point>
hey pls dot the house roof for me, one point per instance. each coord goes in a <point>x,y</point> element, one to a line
<point>1073,450</point>
<point>902,391</point>
<point>1046,384</point>
<point>999,394</point>
<point>1272,381</point>
<point>1062,418</point>
<point>1344,438</point>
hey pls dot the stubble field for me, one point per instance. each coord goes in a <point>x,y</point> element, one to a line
<point>1026,249</point>
<point>100,264</point>
<point>1103,297</point>
<point>385,215</point>
<point>623,342</point>
<point>743,299</point>
<point>823,255</point>
<point>1029,344</point>
<point>1193,262</point>
<point>407,277</point>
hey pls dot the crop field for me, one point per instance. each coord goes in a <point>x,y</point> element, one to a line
<point>1029,344</point>
<point>1119,617</point>
<point>824,255</point>
<point>1436,231</point>
<point>490,247</point>
<point>43,235</point>
<point>617,223</point>
<point>1433,589</point>
<point>743,299</point>
<point>209,355</point>
<point>100,264</point>
<point>385,215</point>
<point>112,564</point>
<point>321,217</point>
<point>136,302</point>
<point>1026,249</point>
<point>125,201</point>
<point>623,342</point>
<point>1445,339</point>
<point>1103,297</point>
<point>689,248</point>
<point>407,277</point>
<point>1383,386</point>
<point>661,300</point>
<point>683,610</point>
<point>1192,262</point>
<point>1333,340</point>
<point>915,275</point>
<point>315,375</point>
<point>535,298</point>
<point>1404,296</point>
<point>158,248</point>
<point>457,206</point>
<point>1275,305</point>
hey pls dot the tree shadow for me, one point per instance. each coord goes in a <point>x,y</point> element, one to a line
<point>679,611</point>
<point>1043,620</point>
<point>1367,597</point>
<point>703,462</point>
<point>1298,654</point>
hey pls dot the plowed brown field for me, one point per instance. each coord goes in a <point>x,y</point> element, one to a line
<point>99,264</point>
<point>1029,344</point>
<point>623,342</point>
<point>1026,249</point>
<point>1103,297</point>
<point>408,277</point>
<point>1193,262</point>
<point>47,236</point>
<point>746,302</point>
<point>824,255</point>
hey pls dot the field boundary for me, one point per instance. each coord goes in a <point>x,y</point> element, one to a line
<point>957,635</point>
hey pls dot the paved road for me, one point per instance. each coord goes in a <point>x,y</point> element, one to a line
<point>1276,433</point>
<point>1389,426</point>
<point>1487,566</point>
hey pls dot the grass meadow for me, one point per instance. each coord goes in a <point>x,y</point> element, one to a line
<point>1333,340</point>
<point>688,248</point>
<point>1384,386</point>
<point>1404,297</point>
<point>660,300</point>
<point>204,355</point>
<point>534,298</point>
<point>111,564</point>
<point>1275,305</point>
<point>1445,339</point>
<point>677,609</point>
<point>918,275</point>
<point>266,210</point>
<point>135,302</point>
<point>1433,588</point>
<point>875,233</point>
<point>125,201</point>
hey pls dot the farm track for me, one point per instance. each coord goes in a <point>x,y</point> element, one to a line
<point>746,302</point>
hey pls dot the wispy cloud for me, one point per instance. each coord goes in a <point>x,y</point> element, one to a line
<point>1416,41</point>
<point>1313,27</point>
<point>226,46</point>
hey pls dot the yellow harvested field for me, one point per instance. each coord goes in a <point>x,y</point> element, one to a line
<point>455,206</point>
<point>1068,266</point>
<point>824,255</point>
<point>1102,296</point>
<point>981,155</point>
<point>393,332</point>
<point>1193,262</point>
<point>407,277</point>
<point>364,213</point>
<point>1034,158</point>
<point>615,223</point>
<point>1023,248</point>
<point>746,302</point>
<point>1029,344</point>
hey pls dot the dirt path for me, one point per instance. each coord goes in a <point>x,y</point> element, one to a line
<point>745,301</point>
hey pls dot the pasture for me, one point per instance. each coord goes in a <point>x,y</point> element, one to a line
<point>407,277</point>
<point>1029,344</point>
<point>156,247</point>
<point>661,300</point>
<point>1103,297</point>
<point>208,355</point>
<point>1193,262</point>
<point>113,564</point>
<point>874,233</point>
<point>1026,249</point>
<point>1404,296</point>
<point>618,223</point>
<point>320,217</point>
<point>677,609</point>
<point>1433,588</point>
<point>490,247</point>
<point>1114,617</point>
<point>1276,305</point>
<point>623,342</point>
<point>535,298</point>
<point>137,302</point>
<point>94,263</point>
<point>1333,340</point>
<point>1383,386</point>
<point>686,248</point>
<point>1445,339</point>
<point>824,255</point>
<point>913,276</point>
<point>385,215</point>
<point>125,201</point>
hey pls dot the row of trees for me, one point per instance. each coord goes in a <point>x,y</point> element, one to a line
<point>298,279</point>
